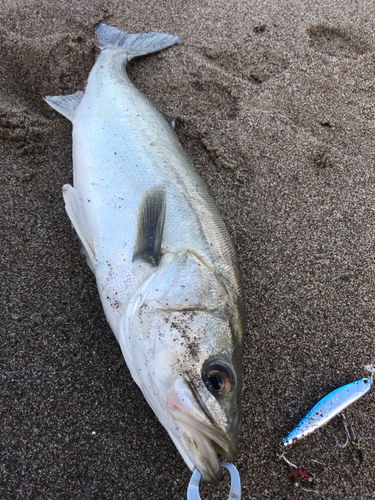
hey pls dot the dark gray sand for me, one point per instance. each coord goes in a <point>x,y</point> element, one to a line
<point>276,108</point>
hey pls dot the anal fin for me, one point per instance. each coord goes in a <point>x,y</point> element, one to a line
<point>77,215</point>
<point>65,104</point>
<point>150,225</point>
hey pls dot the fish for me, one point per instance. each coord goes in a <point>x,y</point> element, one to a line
<point>165,266</point>
<point>327,408</point>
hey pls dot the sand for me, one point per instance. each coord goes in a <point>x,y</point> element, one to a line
<point>276,108</point>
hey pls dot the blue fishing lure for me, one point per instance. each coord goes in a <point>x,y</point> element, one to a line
<point>331,405</point>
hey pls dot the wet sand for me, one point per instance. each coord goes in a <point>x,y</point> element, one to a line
<point>276,109</point>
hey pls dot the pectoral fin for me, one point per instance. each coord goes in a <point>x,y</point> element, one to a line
<point>77,215</point>
<point>150,225</point>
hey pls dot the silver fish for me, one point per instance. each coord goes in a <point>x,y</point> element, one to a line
<point>164,263</point>
<point>331,405</point>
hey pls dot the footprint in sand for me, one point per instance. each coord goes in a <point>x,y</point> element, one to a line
<point>335,41</point>
<point>250,61</point>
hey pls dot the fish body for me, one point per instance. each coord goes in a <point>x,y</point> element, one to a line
<point>164,263</point>
<point>331,405</point>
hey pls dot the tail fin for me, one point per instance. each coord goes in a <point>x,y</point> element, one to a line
<point>135,45</point>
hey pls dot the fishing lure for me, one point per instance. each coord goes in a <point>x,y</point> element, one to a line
<point>331,405</point>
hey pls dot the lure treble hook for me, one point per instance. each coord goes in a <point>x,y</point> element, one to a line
<point>350,436</point>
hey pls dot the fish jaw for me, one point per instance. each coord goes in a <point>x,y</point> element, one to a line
<point>201,438</point>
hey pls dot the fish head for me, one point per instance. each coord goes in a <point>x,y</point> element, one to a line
<point>204,400</point>
<point>185,341</point>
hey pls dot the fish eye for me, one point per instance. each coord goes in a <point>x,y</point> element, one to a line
<point>218,378</point>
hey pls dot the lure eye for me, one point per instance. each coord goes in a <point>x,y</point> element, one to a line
<point>218,378</point>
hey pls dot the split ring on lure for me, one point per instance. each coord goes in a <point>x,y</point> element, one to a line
<point>331,405</point>
<point>235,483</point>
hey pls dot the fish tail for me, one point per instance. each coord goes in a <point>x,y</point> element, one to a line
<point>135,45</point>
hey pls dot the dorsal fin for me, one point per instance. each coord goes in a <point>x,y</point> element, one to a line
<point>171,119</point>
<point>150,225</point>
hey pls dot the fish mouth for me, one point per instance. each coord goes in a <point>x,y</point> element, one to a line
<point>201,439</point>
